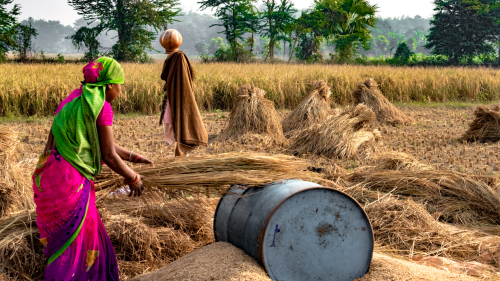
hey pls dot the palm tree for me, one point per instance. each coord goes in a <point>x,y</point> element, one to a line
<point>348,24</point>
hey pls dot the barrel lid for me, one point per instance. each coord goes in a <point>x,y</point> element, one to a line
<point>318,234</point>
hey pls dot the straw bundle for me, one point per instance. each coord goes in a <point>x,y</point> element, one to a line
<point>406,227</point>
<point>451,196</point>
<point>21,254</point>
<point>368,93</point>
<point>217,173</point>
<point>255,114</point>
<point>313,109</point>
<point>398,161</point>
<point>486,125</point>
<point>338,136</point>
<point>16,193</point>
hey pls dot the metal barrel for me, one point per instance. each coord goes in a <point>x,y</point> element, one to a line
<point>297,230</point>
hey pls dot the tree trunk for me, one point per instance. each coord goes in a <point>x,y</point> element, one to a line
<point>271,31</point>
<point>120,18</point>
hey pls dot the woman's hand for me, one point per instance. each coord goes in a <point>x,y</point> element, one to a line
<point>136,189</point>
<point>143,160</point>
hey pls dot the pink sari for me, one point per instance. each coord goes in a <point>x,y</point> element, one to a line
<point>77,246</point>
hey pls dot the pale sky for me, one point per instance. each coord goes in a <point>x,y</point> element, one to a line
<point>61,11</point>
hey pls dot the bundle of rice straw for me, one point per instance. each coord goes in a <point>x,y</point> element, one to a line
<point>339,136</point>
<point>394,160</point>
<point>405,227</point>
<point>486,125</point>
<point>217,172</point>
<point>16,193</point>
<point>21,253</point>
<point>451,196</point>
<point>253,114</point>
<point>313,109</point>
<point>368,93</point>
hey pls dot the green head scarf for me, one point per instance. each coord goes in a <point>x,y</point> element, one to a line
<point>75,129</point>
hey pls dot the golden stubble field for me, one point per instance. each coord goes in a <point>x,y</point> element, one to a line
<point>432,140</point>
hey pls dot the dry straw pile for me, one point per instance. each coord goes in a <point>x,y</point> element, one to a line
<point>451,196</point>
<point>214,173</point>
<point>339,136</point>
<point>16,193</point>
<point>253,114</point>
<point>146,233</point>
<point>406,228</point>
<point>312,110</point>
<point>368,93</point>
<point>486,125</point>
<point>394,160</point>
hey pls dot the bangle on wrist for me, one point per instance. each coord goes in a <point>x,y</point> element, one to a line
<point>137,158</point>
<point>130,156</point>
<point>137,179</point>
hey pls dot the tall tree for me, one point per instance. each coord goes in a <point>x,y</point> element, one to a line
<point>461,30</point>
<point>276,18</point>
<point>132,20</point>
<point>86,38</point>
<point>348,24</point>
<point>7,24</point>
<point>23,38</point>
<point>236,16</point>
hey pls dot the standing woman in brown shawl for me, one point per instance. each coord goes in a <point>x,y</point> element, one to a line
<point>183,123</point>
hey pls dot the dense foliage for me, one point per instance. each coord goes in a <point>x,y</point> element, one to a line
<point>131,20</point>
<point>7,26</point>
<point>464,29</point>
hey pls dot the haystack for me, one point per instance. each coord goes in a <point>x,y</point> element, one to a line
<point>451,196</point>
<point>368,93</point>
<point>339,136</point>
<point>313,109</point>
<point>253,114</point>
<point>486,125</point>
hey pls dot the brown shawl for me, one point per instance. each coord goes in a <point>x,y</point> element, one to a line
<point>186,118</point>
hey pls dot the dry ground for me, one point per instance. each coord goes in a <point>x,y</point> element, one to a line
<point>432,140</point>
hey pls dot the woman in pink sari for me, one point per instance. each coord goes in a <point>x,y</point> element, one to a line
<point>77,246</point>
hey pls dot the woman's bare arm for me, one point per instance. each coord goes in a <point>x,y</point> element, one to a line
<point>129,155</point>
<point>114,161</point>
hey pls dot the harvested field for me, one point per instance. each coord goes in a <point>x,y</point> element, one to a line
<point>407,223</point>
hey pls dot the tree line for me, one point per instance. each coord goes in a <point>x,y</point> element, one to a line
<point>460,32</point>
